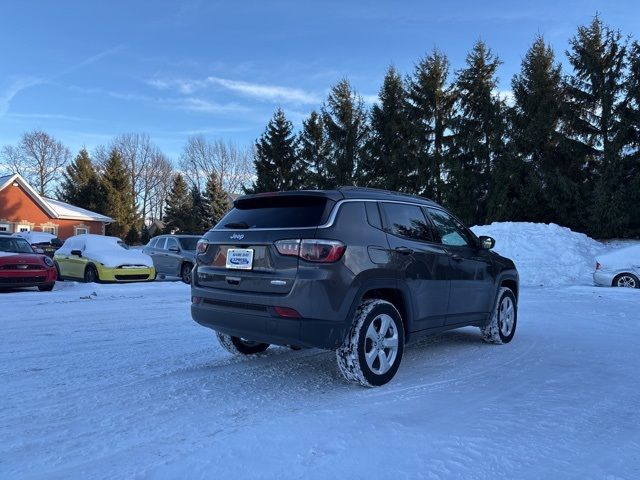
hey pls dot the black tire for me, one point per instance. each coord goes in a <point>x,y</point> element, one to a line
<point>240,346</point>
<point>626,280</point>
<point>58,276</point>
<point>185,273</point>
<point>502,326</point>
<point>376,344</point>
<point>45,288</point>
<point>91,275</point>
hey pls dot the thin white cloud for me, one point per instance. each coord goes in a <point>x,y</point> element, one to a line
<point>370,99</point>
<point>506,96</point>
<point>25,82</point>
<point>14,89</point>
<point>263,92</point>
<point>266,92</point>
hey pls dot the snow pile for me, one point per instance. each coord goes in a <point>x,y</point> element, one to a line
<point>545,254</point>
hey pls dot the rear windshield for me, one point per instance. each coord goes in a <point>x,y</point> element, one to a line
<point>278,212</point>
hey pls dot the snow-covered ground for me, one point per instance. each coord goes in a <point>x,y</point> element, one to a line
<point>123,384</point>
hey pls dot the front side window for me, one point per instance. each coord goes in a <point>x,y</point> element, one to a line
<point>406,221</point>
<point>450,230</point>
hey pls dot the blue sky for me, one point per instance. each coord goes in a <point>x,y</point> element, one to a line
<point>87,71</point>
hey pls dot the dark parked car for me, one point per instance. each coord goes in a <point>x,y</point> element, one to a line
<point>173,255</point>
<point>42,242</point>
<point>358,271</point>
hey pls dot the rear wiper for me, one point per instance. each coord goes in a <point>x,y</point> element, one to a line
<point>237,225</point>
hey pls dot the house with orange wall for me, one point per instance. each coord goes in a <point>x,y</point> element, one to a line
<point>22,209</point>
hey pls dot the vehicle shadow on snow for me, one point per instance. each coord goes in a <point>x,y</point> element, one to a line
<point>279,371</point>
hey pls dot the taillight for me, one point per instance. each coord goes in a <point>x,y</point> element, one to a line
<point>287,312</point>
<point>202,245</point>
<point>598,266</point>
<point>312,250</point>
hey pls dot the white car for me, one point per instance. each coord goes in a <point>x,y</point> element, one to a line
<point>619,268</point>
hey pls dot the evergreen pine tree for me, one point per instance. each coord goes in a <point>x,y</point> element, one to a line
<point>630,139</point>
<point>116,201</point>
<point>80,184</point>
<point>432,101</point>
<point>179,209</point>
<point>345,122</point>
<point>217,201</point>
<point>199,220</point>
<point>478,139</point>
<point>133,236</point>
<point>276,162</point>
<point>598,58</point>
<point>536,180</point>
<point>391,155</point>
<point>145,236</point>
<point>313,152</point>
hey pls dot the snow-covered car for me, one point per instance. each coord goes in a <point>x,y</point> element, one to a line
<point>96,258</point>
<point>20,266</point>
<point>619,268</point>
<point>44,241</point>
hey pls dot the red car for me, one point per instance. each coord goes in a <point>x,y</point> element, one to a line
<point>21,267</point>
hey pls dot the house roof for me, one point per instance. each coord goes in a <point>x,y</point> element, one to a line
<point>54,208</point>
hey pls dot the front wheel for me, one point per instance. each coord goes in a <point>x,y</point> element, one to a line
<point>90,274</point>
<point>626,280</point>
<point>504,320</point>
<point>372,352</point>
<point>185,273</point>
<point>240,346</point>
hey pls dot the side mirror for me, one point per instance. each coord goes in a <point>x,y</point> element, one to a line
<point>487,242</point>
<point>77,253</point>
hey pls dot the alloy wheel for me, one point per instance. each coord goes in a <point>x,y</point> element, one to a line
<point>626,281</point>
<point>381,344</point>
<point>507,316</point>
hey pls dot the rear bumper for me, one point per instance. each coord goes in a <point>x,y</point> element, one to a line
<point>259,322</point>
<point>603,279</point>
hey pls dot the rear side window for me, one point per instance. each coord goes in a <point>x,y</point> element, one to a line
<point>450,230</point>
<point>160,244</point>
<point>406,221</point>
<point>278,212</point>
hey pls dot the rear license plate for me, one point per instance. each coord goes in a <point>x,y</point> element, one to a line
<point>240,258</point>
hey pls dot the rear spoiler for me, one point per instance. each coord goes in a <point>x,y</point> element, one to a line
<point>333,195</point>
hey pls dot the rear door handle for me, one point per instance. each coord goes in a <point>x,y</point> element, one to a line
<point>455,257</point>
<point>404,250</point>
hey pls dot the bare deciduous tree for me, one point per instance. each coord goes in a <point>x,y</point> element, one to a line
<point>39,158</point>
<point>232,164</point>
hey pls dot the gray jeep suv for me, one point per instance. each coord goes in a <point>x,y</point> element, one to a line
<point>359,271</point>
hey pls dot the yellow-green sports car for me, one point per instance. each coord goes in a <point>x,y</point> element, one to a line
<point>96,258</point>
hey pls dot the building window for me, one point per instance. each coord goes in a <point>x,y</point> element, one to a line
<point>23,228</point>
<point>5,227</point>
<point>81,231</point>
<point>52,229</point>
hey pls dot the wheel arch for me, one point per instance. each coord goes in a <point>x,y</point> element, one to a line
<point>390,291</point>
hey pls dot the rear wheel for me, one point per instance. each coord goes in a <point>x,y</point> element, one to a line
<point>240,346</point>
<point>372,352</point>
<point>626,280</point>
<point>504,320</point>
<point>91,274</point>
<point>185,273</point>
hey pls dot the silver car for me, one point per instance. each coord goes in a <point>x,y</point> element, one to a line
<point>619,268</point>
<point>173,255</point>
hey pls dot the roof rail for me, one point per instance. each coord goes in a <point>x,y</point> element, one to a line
<point>381,191</point>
